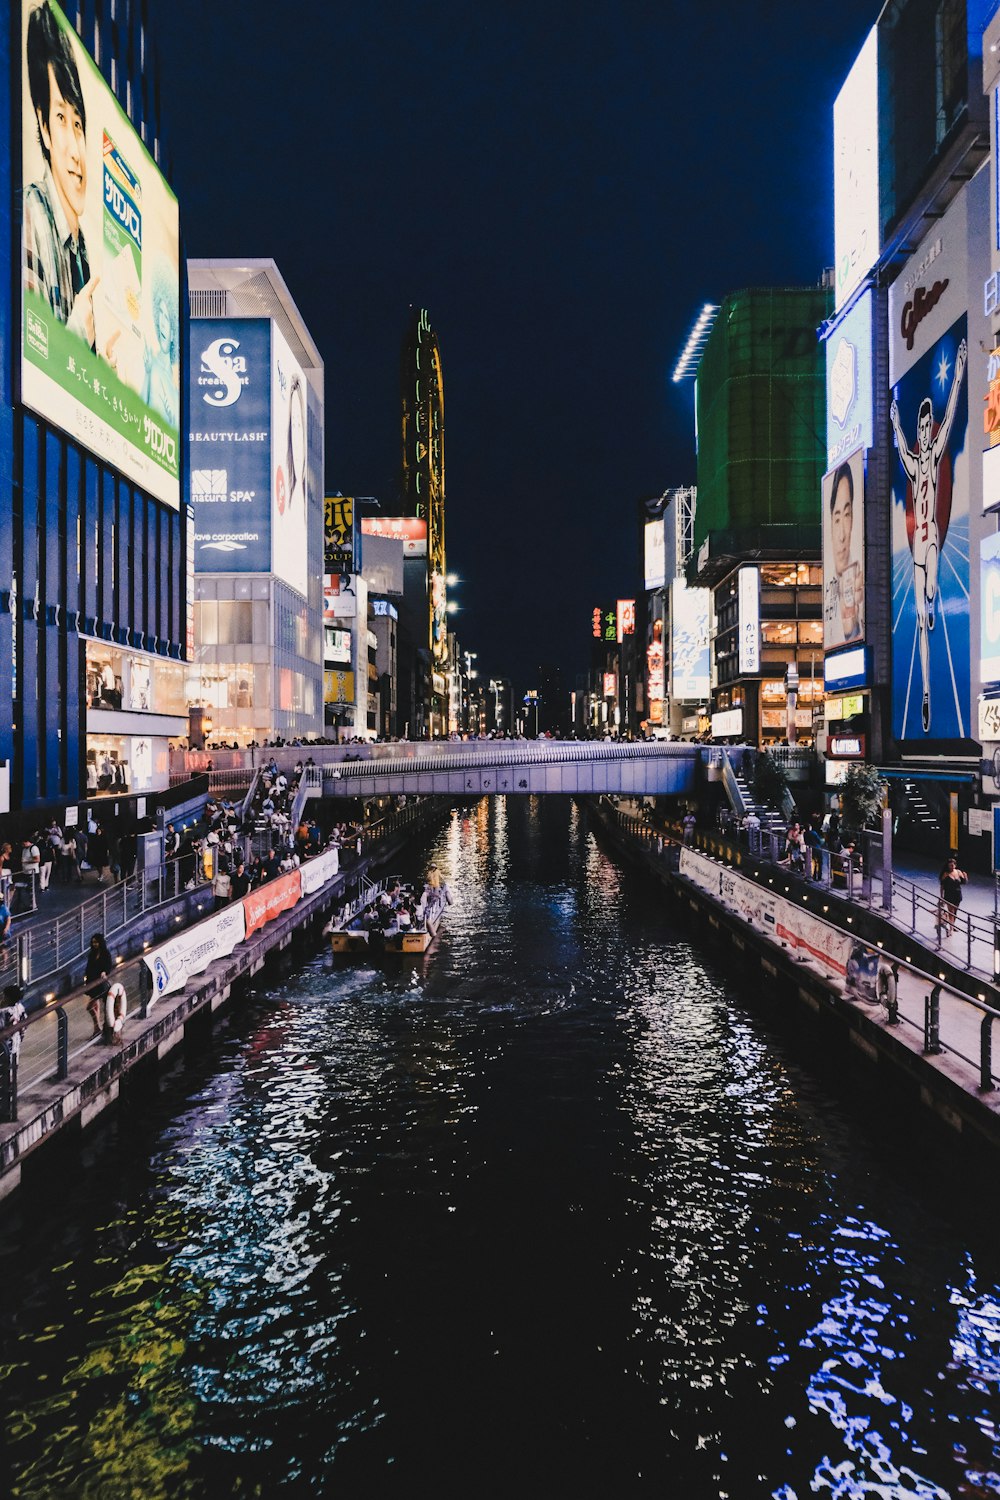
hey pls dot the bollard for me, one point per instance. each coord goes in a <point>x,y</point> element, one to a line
<point>62,1043</point>
<point>986,1053</point>
<point>932,1021</point>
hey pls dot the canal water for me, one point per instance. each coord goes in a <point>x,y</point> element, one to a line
<point>555,1211</point>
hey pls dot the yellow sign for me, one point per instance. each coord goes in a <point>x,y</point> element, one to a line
<point>338,687</point>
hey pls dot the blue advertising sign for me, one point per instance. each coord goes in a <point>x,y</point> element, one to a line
<point>989,594</point>
<point>846,669</point>
<point>849,388</point>
<point>229,405</point>
<point>930,545</point>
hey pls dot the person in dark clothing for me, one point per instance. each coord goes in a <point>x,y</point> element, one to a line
<point>99,967</point>
<point>952,880</point>
<point>240,882</point>
<point>98,854</point>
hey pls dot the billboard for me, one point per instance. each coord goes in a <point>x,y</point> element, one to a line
<point>340,597</point>
<point>930,544</point>
<point>406,529</point>
<point>229,416</point>
<point>338,534</point>
<point>690,657</point>
<point>844,553</point>
<point>624,619</point>
<point>850,411</point>
<point>289,483</point>
<point>655,679</point>
<point>654,554</point>
<point>855,172</point>
<point>382,564</point>
<point>749,620</point>
<point>989,594</point>
<point>100,347</point>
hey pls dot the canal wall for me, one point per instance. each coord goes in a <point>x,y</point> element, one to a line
<point>181,985</point>
<point>932,1055</point>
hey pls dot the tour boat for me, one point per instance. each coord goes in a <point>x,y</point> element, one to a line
<point>347,939</point>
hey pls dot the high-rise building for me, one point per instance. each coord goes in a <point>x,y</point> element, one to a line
<point>422,497</point>
<point>255,400</point>
<point>94,541</point>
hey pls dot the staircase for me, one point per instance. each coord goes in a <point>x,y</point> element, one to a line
<point>771,820</point>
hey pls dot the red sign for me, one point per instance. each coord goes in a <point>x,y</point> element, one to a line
<point>626,618</point>
<point>847,746</point>
<point>596,624</point>
<point>271,900</point>
<point>406,529</point>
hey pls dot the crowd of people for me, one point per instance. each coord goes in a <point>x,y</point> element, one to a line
<point>397,908</point>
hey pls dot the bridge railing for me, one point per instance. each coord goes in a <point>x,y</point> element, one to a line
<point>421,758</point>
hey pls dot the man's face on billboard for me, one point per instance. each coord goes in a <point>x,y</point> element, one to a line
<point>924,432</point>
<point>66,144</point>
<point>841,520</point>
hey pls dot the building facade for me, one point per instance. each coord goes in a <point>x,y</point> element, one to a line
<point>255,391</point>
<point>94,540</point>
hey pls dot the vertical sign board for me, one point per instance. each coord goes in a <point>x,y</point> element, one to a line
<point>850,405</point>
<point>855,172</point>
<point>338,534</point>
<point>749,621</point>
<point>933,478</point>
<point>289,467</point>
<point>690,655</point>
<point>654,555</point>
<point>989,597</point>
<point>844,553</point>
<point>229,414</point>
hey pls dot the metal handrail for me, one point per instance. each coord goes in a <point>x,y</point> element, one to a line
<point>463,760</point>
<point>931,1025</point>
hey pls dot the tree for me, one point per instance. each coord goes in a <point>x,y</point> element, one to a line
<point>862,795</point>
<point>769,780</point>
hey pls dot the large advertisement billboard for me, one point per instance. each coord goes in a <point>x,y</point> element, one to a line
<point>229,414</point>
<point>406,529</point>
<point>749,621</point>
<point>844,553</point>
<point>930,544</point>
<point>100,348</point>
<point>989,594</point>
<point>855,172</point>
<point>338,534</point>
<point>289,481</point>
<point>654,555</point>
<point>690,657</point>
<point>850,406</point>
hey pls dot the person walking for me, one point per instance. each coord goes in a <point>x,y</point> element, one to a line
<point>98,854</point>
<point>689,827</point>
<point>67,855</point>
<point>99,967</point>
<point>47,854</point>
<point>951,880</point>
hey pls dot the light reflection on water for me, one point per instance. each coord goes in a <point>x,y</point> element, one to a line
<point>550,1209</point>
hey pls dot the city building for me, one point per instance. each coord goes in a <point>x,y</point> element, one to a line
<point>760,403</point>
<point>255,404</point>
<point>95,537</point>
<point>912,491</point>
<point>672,621</point>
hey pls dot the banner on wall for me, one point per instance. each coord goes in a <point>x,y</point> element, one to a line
<point>263,905</point>
<point>316,872</point>
<point>172,964</point>
<point>100,262</point>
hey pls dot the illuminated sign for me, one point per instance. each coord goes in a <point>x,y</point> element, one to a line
<point>844,708</point>
<point>406,529</point>
<point>609,684</point>
<point>836,772</point>
<point>340,597</point>
<point>855,172</point>
<point>383,607</point>
<point>229,415</point>
<point>847,746</point>
<point>727,722</point>
<point>336,645</point>
<point>850,412</point>
<point>843,493</point>
<point>989,595</point>
<point>989,719</point>
<point>654,552</point>
<point>846,668</point>
<point>338,687</point>
<point>338,534</point>
<point>624,619</point>
<point>690,656</point>
<point>100,346</point>
<point>289,478</point>
<point>749,620</point>
<point>596,629</point>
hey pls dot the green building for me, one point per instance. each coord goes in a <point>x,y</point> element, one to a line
<point>761,426</point>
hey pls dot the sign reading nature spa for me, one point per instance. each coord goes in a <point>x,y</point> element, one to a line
<point>100,348</point>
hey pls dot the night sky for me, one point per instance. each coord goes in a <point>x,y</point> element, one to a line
<point>562,186</point>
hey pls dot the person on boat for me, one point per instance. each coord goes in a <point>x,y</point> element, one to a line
<point>436,896</point>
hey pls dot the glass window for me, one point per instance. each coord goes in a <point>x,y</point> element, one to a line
<point>206,623</point>
<point>235,622</point>
<point>105,676</point>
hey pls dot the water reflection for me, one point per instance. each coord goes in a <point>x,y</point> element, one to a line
<point>549,1210</point>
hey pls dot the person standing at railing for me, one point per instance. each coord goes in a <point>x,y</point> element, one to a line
<point>99,967</point>
<point>689,827</point>
<point>952,880</point>
<point>12,1013</point>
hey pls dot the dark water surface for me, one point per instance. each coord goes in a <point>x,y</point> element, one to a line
<point>552,1212</point>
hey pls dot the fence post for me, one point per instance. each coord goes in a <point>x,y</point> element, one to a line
<point>932,1021</point>
<point>8,1084</point>
<point>986,1053</point>
<point>968,945</point>
<point>62,1043</point>
<point>913,901</point>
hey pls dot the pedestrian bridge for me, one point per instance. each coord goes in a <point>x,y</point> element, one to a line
<point>510,767</point>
